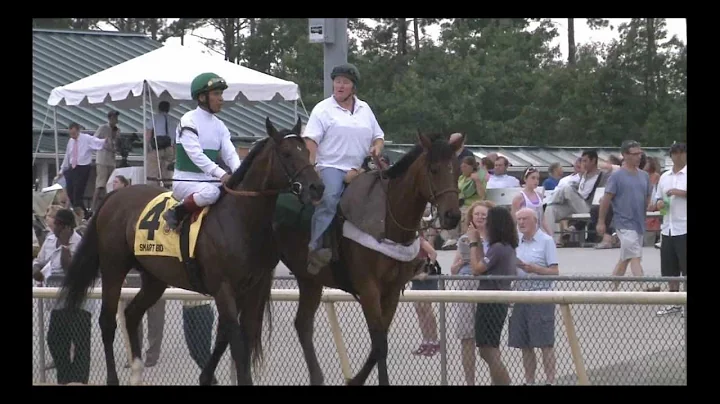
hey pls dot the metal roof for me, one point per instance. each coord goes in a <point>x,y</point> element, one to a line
<point>521,157</point>
<point>61,57</point>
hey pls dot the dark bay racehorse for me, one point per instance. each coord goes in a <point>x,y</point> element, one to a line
<point>235,250</point>
<point>427,173</point>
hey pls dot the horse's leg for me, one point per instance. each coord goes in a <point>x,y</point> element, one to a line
<point>228,324</point>
<point>310,294</point>
<point>151,290</point>
<point>222,340</point>
<point>112,279</point>
<point>389,303</point>
<point>370,302</point>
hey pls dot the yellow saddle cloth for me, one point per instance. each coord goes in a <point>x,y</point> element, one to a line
<point>151,236</point>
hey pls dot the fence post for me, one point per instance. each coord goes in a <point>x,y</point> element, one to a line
<point>574,345</point>
<point>443,339</point>
<point>41,337</point>
<point>337,337</point>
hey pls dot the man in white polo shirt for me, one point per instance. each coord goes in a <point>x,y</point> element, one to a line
<point>671,200</point>
<point>341,131</point>
<point>500,177</point>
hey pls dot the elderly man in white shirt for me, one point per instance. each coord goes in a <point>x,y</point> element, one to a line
<point>533,325</point>
<point>67,326</point>
<point>671,200</point>
<point>77,163</point>
<point>500,178</point>
<point>341,131</point>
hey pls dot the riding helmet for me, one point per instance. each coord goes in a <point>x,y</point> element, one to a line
<point>206,82</point>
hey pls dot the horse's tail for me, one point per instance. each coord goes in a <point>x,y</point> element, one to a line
<point>85,265</point>
<point>257,304</point>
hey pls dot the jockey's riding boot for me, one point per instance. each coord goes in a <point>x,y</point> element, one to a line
<point>318,259</point>
<point>177,213</point>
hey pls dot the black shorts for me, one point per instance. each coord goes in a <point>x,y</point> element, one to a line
<point>427,284</point>
<point>489,323</point>
<point>673,255</point>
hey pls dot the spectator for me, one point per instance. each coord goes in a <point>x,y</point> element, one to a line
<point>105,159</point>
<point>652,224</point>
<point>500,260</point>
<point>500,177</point>
<point>120,181</point>
<point>471,182</point>
<point>465,319</point>
<point>463,152</point>
<point>76,163</point>
<point>160,146</point>
<point>198,319</point>
<point>531,198</point>
<point>68,327</point>
<point>574,178</point>
<point>628,190</point>
<point>556,171</point>
<point>426,316</point>
<point>569,200</point>
<point>533,325</point>
<point>489,165</point>
<point>671,200</point>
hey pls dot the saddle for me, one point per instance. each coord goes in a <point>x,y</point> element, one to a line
<point>364,204</point>
<point>153,238</point>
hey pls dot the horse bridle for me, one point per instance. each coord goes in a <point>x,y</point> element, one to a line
<point>294,186</point>
<point>433,199</point>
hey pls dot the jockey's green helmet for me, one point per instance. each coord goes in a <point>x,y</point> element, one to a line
<point>206,82</point>
<point>347,70</point>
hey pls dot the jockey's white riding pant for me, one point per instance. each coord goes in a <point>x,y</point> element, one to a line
<point>205,193</point>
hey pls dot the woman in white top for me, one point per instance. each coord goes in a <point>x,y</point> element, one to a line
<point>531,198</point>
<point>340,133</point>
<point>464,325</point>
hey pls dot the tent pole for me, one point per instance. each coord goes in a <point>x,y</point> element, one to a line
<point>143,133</point>
<point>57,152</point>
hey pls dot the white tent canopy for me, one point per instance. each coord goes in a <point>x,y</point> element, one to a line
<point>169,71</point>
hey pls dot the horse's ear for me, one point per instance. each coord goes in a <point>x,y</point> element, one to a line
<point>424,141</point>
<point>298,126</point>
<point>271,131</point>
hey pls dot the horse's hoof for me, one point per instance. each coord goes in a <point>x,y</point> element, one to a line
<point>113,382</point>
<point>206,380</point>
<point>352,382</point>
<point>319,381</point>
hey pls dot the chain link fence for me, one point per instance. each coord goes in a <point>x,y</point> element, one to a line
<point>620,344</point>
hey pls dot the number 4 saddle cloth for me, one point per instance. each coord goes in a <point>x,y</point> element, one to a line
<point>152,238</point>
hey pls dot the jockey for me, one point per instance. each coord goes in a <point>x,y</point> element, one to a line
<point>200,138</point>
<point>341,131</point>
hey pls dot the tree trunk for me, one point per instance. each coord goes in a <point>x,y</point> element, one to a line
<point>649,70</point>
<point>571,41</point>
<point>417,35</point>
<point>154,27</point>
<point>402,36</point>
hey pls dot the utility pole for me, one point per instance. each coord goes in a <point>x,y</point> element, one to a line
<point>332,33</point>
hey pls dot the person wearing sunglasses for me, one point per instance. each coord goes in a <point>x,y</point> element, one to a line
<point>532,199</point>
<point>629,191</point>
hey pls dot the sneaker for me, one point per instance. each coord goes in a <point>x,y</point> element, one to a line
<point>669,310</point>
<point>450,244</point>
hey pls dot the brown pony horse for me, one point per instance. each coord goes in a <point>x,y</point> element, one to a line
<point>235,251</point>
<point>427,173</point>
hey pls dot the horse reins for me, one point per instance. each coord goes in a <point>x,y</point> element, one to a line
<point>294,186</point>
<point>433,198</point>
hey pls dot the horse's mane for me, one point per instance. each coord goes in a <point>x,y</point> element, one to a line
<point>440,150</point>
<point>239,174</point>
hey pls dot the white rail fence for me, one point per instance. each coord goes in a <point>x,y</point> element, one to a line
<point>331,296</point>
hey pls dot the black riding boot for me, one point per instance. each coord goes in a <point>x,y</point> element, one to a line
<point>175,215</point>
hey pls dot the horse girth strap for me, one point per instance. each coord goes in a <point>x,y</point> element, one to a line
<point>266,192</point>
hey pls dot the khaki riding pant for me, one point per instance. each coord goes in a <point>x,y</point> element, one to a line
<point>167,157</point>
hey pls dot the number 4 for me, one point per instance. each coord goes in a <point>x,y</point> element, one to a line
<point>151,221</point>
